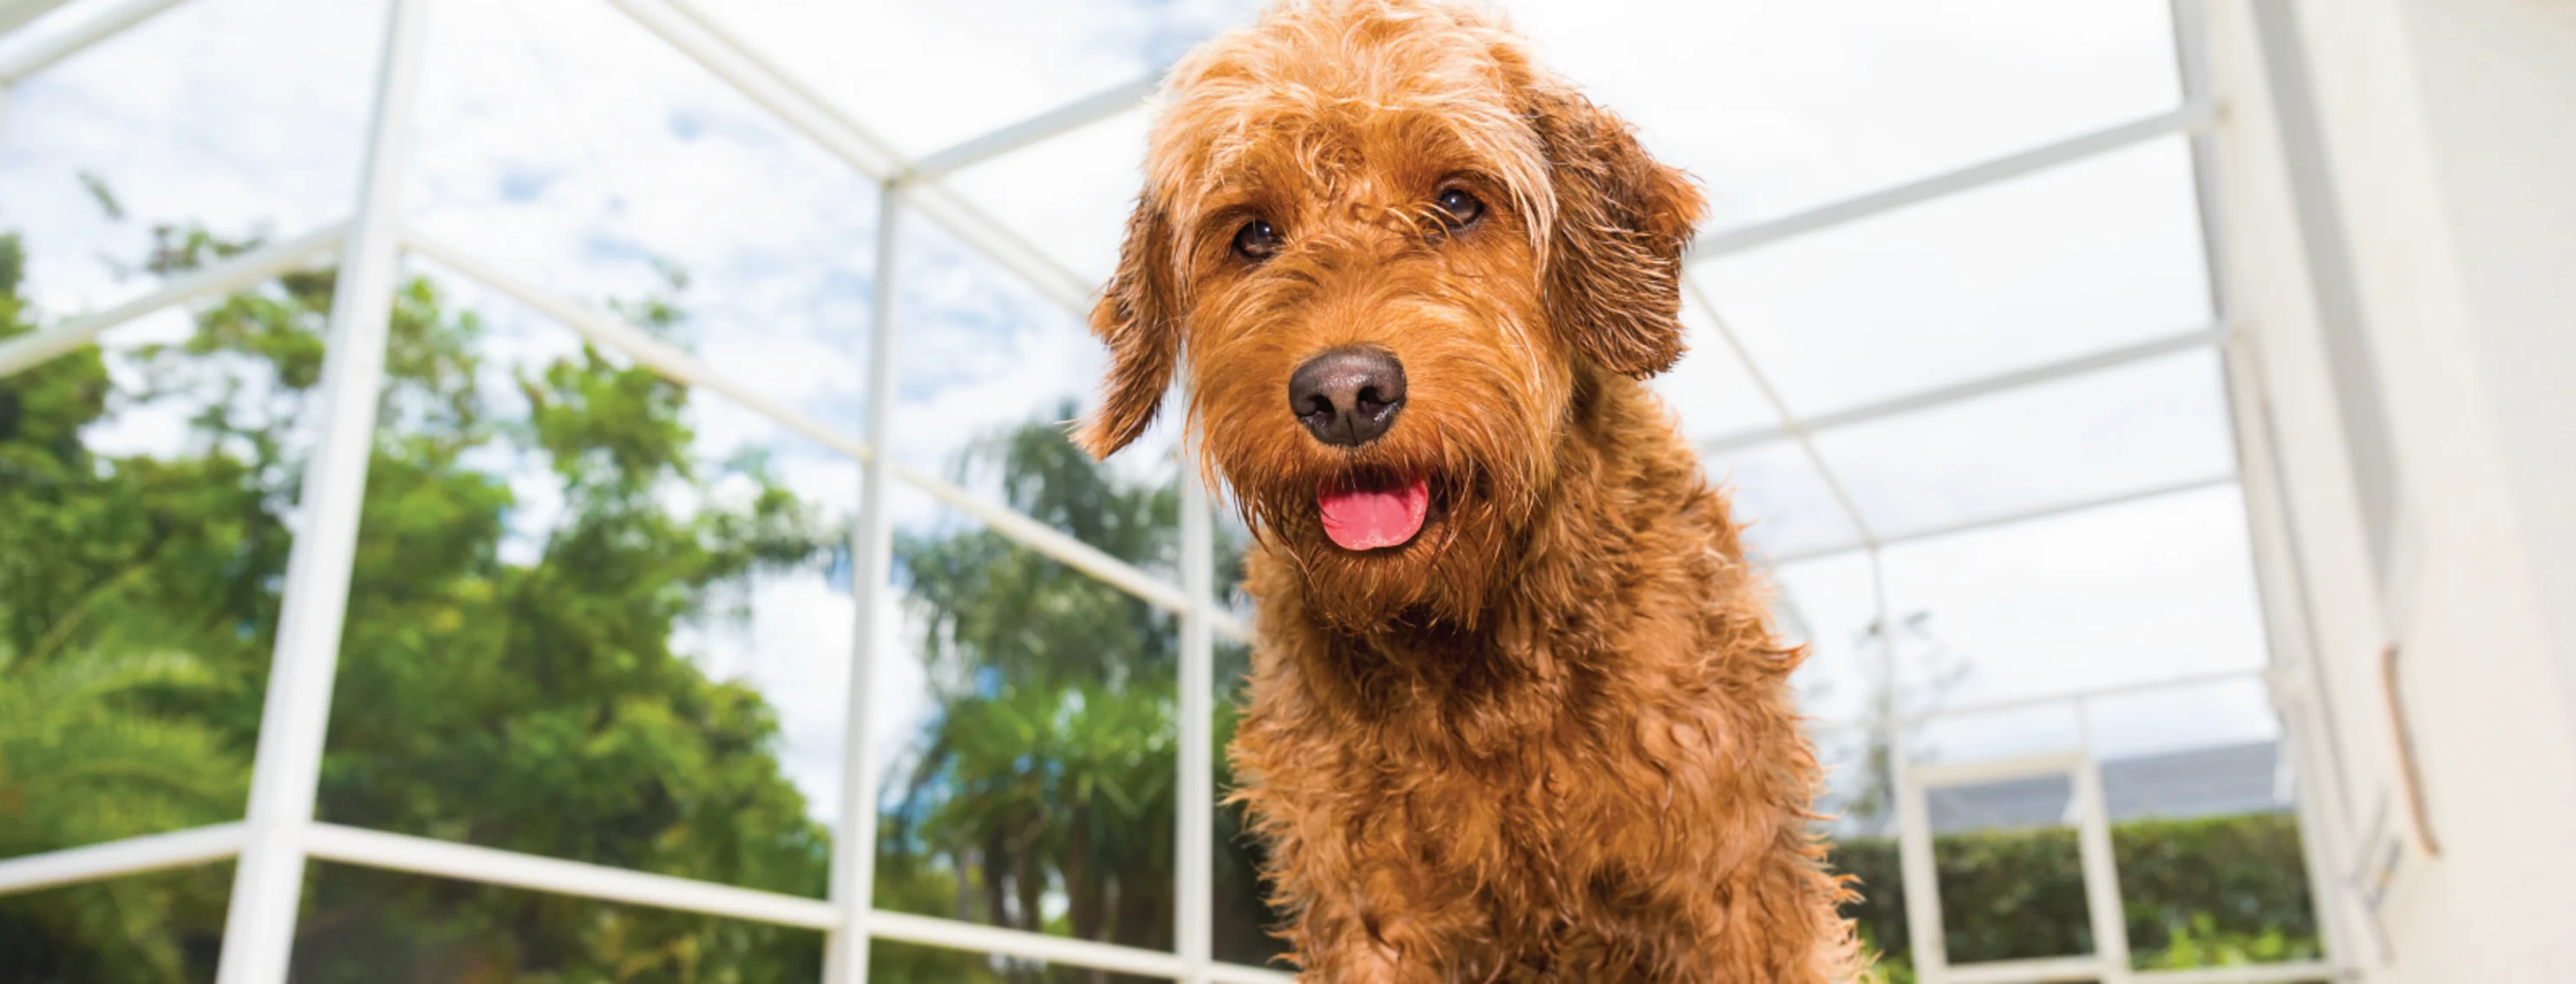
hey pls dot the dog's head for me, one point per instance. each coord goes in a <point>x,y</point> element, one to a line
<point>1394,251</point>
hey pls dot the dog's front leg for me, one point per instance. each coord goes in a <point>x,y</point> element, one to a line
<point>1375,932</point>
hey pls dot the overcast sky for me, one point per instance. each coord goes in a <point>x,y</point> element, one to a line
<point>558,138</point>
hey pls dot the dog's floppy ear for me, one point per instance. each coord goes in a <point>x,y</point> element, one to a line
<point>1136,316</point>
<point>1613,279</point>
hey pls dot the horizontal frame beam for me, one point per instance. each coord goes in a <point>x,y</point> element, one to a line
<point>791,101</point>
<point>44,54</point>
<point>2291,972</point>
<point>1935,775</point>
<point>2045,700</point>
<point>492,866</point>
<point>1938,396</point>
<point>2044,970</point>
<point>1226,973</point>
<point>2050,511</point>
<point>1061,120</point>
<point>2188,118</point>
<point>953,935</point>
<point>27,351</point>
<point>685,369</point>
<point>2183,682</point>
<point>15,14</point>
<point>1011,251</point>
<point>131,856</point>
<point>613,333</point>
<point>2050,970</point>
<point>1790,426</point>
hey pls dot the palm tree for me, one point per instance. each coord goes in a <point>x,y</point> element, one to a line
<point>85,758</point>
<point>1045,777</point>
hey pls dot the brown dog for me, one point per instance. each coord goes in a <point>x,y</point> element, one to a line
<point>1517,711</point>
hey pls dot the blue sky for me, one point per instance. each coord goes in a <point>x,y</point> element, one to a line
<point>561,140</point>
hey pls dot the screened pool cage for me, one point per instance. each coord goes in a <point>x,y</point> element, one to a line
<point>1871,505</point>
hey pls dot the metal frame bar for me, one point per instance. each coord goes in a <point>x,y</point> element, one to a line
<point>2044,700</point>
<point>286,769</point>
<point>1194,878</point>
<point>491,866</point>
<point>2190,117</point>
<point>2295,684</point>
<point>2109,961</point>
<point>1790,424</point>
<point>2280,973</point>
<point>15,14</point>
<point>1052,123</point>
<point>2300,692</point>
<point>26,351</point>
<point>2369,450</point>
<point>796,104</point>
<point>1940,396</point>
<point>2085,697</point>
<point>854,846</point>
<point>2101,869</point>
<point>44,55</point>
<point>915,184</point>
<point>609,332</point>
<point>2082,969</point>
<point>981,232</point>
<point>131,856</point>
<point>679,366</point>
<point>731,61</point>
<point>467,862</point>
<point>2033,514</point>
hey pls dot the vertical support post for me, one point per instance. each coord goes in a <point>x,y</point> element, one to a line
<point>2370,451</point>
<point>1923,929</point>
<point>1195,880</point>
<point>6,84</point>
<point>2101,867</point>
<point>854,850</point>
<point>2191,66</point>
<point>259,930</point>
<point>2296,680</point>
<point>1915,864</point>
<point>2296,685</point>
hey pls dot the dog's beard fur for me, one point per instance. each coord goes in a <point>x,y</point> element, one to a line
<point>1446,576</point>
<point>1481,430</point>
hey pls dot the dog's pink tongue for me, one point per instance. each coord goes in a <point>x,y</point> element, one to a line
<point>1368,519</point>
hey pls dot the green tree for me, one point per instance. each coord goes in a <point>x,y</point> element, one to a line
<point>536,706</point>
<point>1047,765</point>
<point>1048,762</point>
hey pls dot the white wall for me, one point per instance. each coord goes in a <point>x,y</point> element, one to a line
<point>2450,128</point>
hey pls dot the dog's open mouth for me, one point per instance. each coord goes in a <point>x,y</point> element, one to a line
<point>1375,514</point>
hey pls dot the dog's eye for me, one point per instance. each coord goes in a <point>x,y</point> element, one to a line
<point>1459,209</point>
<point>1256,240</point>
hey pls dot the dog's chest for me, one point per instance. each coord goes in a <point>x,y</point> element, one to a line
<point>1553,809</point>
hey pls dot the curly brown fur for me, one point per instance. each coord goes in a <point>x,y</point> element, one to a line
<point>1551,736</point>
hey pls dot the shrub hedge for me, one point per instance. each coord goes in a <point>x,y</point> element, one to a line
<point>2203,892</point>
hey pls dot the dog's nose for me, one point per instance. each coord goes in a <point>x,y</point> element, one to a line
<point>1348,396</point>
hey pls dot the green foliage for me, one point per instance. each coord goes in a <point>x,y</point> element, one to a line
<point>84,758</point>
<point>533,706</point>
<point>1047,766</point>
<point>2196,893</point>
